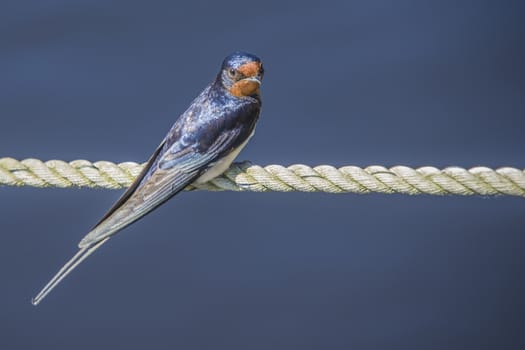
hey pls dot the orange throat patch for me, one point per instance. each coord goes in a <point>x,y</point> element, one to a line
<point>244,88</point>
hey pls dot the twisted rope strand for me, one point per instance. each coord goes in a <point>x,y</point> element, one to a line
<point>247,177</point>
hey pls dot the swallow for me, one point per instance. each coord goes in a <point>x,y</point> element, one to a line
<point>201,145</point>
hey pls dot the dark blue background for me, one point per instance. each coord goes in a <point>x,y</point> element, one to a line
<point>370,82</point>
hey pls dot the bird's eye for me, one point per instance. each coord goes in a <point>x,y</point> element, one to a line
<point>232,73</point>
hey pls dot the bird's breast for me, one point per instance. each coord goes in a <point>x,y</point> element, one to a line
<point>220,166</point>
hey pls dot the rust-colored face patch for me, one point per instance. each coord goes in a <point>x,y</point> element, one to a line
<point>250,69</point>
<point>244,88</point>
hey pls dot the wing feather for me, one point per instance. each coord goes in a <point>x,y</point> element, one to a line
<point>168,177</point>
<point>131,189</point>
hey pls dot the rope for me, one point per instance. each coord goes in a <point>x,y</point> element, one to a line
<point>247,177</point>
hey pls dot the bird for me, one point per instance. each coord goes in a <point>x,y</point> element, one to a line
<point>201,145</point>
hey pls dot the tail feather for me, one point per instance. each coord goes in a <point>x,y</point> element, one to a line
<point>80,256</point>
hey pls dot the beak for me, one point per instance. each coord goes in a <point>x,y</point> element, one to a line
<point>246,87</point>
<point>256,79</point>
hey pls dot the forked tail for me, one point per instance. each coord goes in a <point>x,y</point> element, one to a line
<point>82,254</point>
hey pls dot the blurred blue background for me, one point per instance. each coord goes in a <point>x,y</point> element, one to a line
<point>347,82</point>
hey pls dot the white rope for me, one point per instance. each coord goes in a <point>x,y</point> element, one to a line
<point>247,177</point>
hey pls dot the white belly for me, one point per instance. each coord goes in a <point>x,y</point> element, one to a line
<point>222,165</point>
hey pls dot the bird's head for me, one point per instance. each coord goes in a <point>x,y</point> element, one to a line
<point>241,74</point>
